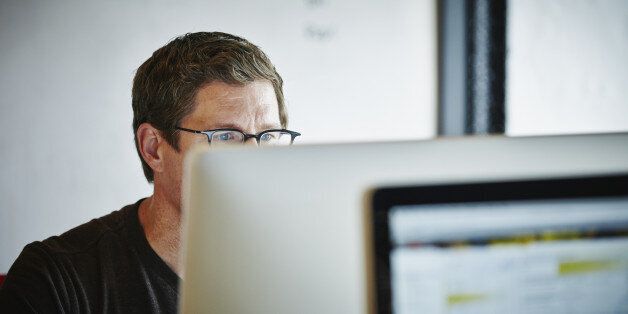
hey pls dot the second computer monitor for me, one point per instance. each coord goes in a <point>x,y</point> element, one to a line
<point>541,246</point>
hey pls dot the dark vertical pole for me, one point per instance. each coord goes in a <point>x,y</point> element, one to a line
<point>486,67</point>
<point>472,67</point>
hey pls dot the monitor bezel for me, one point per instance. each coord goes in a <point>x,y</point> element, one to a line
<point>383,199</point>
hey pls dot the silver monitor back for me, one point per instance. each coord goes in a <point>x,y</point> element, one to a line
<point>283,230</point>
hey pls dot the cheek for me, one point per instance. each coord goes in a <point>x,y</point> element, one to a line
<point>202,140</point>
<point>175,159</point>
<point>189,144</point>
<point>172,163</point>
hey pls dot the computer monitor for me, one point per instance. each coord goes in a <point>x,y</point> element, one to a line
<point>540,246</point>
<point>284,230</point>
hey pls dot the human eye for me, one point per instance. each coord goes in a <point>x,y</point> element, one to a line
<point>227,136</point>
<point>266,137</point>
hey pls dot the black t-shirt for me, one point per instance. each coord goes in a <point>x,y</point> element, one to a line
<point>103,266</point>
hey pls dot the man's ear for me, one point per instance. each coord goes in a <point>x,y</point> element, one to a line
<point>149,139</point>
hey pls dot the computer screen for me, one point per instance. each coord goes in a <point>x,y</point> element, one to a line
<point>547,246</point>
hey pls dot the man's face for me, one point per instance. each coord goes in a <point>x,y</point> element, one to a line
<point>250,108</point>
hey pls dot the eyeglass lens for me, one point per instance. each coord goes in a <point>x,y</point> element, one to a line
<point>272,138</point>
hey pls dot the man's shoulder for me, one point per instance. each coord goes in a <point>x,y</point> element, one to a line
<point>66,271</point>
<point>88,235</point>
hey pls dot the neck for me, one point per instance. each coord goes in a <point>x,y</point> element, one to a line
<point>161,222</point>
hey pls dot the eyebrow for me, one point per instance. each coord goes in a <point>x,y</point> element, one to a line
<point>271,127</point>
<point>226,126</point>
<point>237,127</point>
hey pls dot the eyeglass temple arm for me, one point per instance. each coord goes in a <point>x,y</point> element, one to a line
<point>189,130</point>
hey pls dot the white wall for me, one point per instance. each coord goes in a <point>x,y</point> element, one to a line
<point>354,71</point>
<point>567,66</point>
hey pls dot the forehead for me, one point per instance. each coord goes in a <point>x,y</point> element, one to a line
<point>222,103</point>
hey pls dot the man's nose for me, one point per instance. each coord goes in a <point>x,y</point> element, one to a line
<point>251,141</point>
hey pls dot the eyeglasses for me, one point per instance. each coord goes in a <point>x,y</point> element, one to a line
<point>230,137</point>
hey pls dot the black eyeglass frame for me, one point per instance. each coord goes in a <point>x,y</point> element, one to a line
<point>247,136</point>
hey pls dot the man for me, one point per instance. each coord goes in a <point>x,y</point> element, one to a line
<point>211,88</point>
